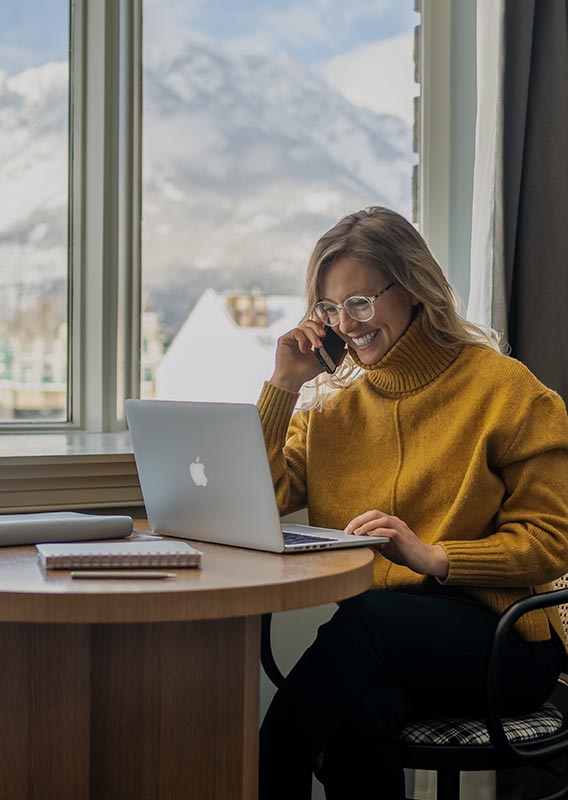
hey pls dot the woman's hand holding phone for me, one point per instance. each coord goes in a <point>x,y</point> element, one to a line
<point>296,361</point>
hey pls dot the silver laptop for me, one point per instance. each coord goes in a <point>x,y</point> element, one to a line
<point>204,475</point>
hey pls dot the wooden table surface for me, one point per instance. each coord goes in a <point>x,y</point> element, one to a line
<point>123,689</point>
<point>232,582</point>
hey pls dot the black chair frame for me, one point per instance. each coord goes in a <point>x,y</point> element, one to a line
<point>449,761</point>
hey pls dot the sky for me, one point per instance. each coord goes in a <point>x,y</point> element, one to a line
<point>378,76</point>
<point>362,47</point>
<point>312,31</point>
<point>33,32</point>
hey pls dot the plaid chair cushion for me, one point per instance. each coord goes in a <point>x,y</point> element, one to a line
<point>462,731</point>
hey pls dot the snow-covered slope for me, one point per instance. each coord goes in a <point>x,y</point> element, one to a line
<point>247,159</point>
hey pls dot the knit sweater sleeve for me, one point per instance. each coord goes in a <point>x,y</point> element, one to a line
<point>530,544</point>
<point>285,437</point>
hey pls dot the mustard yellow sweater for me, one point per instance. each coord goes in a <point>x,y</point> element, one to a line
<point>466,446</point>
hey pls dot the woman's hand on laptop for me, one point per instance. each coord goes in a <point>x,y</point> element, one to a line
<point>404,547</point>
<point>295,360</point>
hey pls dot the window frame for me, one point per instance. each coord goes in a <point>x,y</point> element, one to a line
<point>447,66</point>
<point>107,199</point>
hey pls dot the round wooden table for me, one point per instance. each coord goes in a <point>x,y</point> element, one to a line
<point>142,690</point>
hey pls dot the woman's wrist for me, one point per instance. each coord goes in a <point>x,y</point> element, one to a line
<point>440,563</point>
<point>288,382</point>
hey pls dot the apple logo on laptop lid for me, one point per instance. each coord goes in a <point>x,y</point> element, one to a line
<point>197,472</point>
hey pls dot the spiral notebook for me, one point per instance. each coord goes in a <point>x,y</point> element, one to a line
<point>110,555</point>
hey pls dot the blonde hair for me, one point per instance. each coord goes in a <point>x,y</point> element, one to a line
<point>384,239</point>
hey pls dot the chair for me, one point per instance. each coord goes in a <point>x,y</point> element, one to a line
<point>449,746</point>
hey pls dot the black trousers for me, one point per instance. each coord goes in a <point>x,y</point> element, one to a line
<point>384,658</point>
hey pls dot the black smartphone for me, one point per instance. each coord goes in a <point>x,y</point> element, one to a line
<point>331,353</point>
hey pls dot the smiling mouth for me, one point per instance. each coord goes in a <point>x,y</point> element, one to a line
<point>363,341</point>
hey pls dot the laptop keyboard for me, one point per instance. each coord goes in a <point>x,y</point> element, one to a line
<point>302,538</point>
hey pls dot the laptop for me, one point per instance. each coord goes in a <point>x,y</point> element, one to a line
<point>204,475</point>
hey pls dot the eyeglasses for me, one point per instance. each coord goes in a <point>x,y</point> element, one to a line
<point>358,308</point>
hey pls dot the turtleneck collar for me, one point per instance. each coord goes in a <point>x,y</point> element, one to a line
<point>413,362</point>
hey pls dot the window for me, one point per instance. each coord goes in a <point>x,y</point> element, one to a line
<point>260,130</point>
<point>34,210</point>
<point>263,124</point>
<point>109,341</point>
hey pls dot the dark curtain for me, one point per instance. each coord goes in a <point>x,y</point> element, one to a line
<point>535,186</point>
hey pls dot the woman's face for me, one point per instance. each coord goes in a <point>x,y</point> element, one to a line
<point>393,311</point>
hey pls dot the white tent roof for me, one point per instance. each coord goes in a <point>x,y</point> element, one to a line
<point>214,359</point>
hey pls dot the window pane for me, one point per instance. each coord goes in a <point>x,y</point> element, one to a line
<point>34,155</point>
<point>264,122</point>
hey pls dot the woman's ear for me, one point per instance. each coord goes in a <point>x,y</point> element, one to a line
<point>414,300</point>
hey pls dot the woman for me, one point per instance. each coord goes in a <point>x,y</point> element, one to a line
<point>454,451</point>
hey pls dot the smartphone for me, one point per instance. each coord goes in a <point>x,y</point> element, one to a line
<point>331,353</point>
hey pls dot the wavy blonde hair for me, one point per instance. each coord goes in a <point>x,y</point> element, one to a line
<point>386,240</point>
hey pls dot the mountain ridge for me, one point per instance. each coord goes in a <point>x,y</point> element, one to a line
<point>247,160</point>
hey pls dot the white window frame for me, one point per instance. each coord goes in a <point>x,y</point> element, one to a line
<point>447,134</point>
<point>107,197</point>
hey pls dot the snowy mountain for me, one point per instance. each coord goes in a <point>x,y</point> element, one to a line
<point>247,160</point>
<point>33,181</point>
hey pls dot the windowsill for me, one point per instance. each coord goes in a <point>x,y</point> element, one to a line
<point>56,471</point>
<point>16,447</point>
